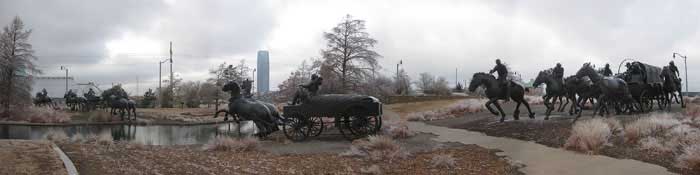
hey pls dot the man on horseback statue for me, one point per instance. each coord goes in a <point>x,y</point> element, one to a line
<point>559,73</point>
<point>247,88</point>
<point>606,71</point>
<point>502,71</point>
<point>674,70</point>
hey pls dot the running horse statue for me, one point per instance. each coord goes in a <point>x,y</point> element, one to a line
<point>612,90</point>
<point>671,86</point>
<point>555,89</point>
<point>495,92</point>
<point>42,99</point>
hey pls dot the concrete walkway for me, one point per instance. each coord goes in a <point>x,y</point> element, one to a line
<point>540,159</point>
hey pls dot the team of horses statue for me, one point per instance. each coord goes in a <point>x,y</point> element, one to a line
<point>114,100</point>
<point>638,89</point>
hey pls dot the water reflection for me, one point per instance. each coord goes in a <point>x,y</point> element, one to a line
<point>148,135</point>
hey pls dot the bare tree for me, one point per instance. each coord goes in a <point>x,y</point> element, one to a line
<point>223,74</point>
<point>425,81</point>
<point>16,66</point>
<point>349,52</point>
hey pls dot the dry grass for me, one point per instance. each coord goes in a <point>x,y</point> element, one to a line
<point>654,125</point>
<point>443,161</point>
<point>373,170</point>
<point>377,148</point>
<point>589,136</point>
<point>397,130</point>
<point>99,116</point>
<point>40,115</point>
<point>233,144</point>
<point>457,109</point>
<point>690,158</point>
<point>56,136</point>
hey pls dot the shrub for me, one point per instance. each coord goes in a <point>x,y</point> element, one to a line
<point>690,159</point>
<point>534,100</point>
<point>231,144</point>
<point>589,136</point>
<point>443,161</point>
<point>377,148</point>
<point>397,130</point>
<point>654,125</point>
<point>56,136</point>
<point>654,144</point>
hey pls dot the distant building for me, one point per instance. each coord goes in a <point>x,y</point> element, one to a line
<point>55,86</point>
<point>263,69</point>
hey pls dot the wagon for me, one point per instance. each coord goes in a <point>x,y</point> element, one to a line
<point>355,116</point>
<point>646,86</point>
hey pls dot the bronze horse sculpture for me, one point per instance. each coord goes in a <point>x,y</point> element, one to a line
<point>263,114</point>
<point>555,89</point>
<point>495,92</point>
<point>118,101</point>
<point>613,91</point>
<point>671,86</point>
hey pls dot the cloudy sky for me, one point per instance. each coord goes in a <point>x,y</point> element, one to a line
<point>122,41</point>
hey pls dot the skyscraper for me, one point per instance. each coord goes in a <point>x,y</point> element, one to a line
<point>263,78</point>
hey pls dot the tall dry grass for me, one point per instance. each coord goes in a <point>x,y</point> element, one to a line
<point>40,115</point>
<point>377,148</point>
<point>458,109</point>
<point>397,130</point>
<point>591,135</point>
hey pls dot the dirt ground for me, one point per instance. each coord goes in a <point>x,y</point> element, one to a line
<point>124,158</point>
<point>29,157</point>
<point>554,133</point>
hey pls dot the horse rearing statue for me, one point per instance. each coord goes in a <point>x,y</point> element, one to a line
<point>265,115</point>
<point>494,92</point>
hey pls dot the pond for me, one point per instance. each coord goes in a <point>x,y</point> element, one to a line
<point>144,134</point>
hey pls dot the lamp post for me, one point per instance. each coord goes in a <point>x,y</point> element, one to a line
<point>252,88</point>
<point>160,77</point>
<point>685,63</point>
<point>66,68</point>
<point>398,78</point>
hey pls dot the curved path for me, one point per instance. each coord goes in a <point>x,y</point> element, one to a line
<point>540,159</point>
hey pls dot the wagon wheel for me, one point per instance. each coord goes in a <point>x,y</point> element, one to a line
<point>645,103</point>
<point>296,129</point>
<point>316,126</point>
<point>359,126</point>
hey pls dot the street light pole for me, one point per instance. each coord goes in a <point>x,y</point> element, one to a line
<point>66,68</point>
<point>398,78</point>
<point>685,63</point>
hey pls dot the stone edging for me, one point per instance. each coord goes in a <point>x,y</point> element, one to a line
<point>70,167</point>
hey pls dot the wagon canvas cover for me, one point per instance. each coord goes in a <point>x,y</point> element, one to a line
<point>653,73</point>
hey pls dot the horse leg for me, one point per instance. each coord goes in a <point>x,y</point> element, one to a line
<point>601,102</point>
<point>681,97</point>
<point>549,107</point>
<point>488,106</point>
<point>516,113</point>
<point>503,114</point>
<point>563,106</point>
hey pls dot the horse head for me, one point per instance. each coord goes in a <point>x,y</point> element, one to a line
<point>542,77</point>
<point>588,70</point>
<point>478,79</point>
<point>233,87</point>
